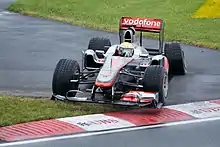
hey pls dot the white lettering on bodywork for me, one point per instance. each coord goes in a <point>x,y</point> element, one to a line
<point>142,22</point>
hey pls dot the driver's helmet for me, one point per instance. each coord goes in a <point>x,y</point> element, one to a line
<point>125,49</point>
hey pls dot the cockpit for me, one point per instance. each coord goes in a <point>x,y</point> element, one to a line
<point>124,50</point>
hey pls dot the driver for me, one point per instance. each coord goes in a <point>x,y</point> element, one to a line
<point>125,49</point>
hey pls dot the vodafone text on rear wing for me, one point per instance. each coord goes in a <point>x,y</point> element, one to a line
<point>142,24</point>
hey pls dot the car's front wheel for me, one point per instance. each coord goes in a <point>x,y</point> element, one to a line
<point>156,80</point>
<point>66,70</point>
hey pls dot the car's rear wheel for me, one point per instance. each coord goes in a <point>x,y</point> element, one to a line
<point>176,59</point>
<point>96,43</point>
<point>156,80</point>
<point>66,70</point>
<point>99,43</point>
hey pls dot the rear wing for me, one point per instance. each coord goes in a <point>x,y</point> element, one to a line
<point>144,25</point>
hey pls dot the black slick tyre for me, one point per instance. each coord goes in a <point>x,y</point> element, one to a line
<point>66,70</point>
<point>96,43</point>
<point>99,43</point>
<point>176,58</point>
<point>156,80</point>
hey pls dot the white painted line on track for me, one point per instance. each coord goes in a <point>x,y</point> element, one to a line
<point>108,132</point>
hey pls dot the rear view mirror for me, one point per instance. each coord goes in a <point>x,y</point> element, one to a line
<point>100,51</point>
<point>144,55</point>
<point>107,47</point>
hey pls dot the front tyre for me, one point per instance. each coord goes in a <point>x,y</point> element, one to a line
<point>65,71</point>
<point>156,80</point>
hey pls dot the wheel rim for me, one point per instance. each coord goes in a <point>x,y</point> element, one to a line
<point>76,75</point>
<point>185,66</point>
<point>184,63</point>
<point>76,85</point>
<point>165,86</point>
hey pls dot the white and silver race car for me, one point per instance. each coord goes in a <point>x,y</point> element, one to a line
<point>124,74</point>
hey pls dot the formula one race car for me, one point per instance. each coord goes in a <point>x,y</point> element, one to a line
<point>122,74</point>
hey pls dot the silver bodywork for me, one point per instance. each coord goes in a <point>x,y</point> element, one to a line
<point>139,53</point>
<point>111,67</point>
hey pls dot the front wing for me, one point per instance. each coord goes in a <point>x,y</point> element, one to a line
<point>132,98</point>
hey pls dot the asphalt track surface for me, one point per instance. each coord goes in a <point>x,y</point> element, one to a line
<point>31,47</point>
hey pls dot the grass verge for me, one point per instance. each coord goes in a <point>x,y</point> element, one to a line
<point>14,110</point>
<point>105,14</point>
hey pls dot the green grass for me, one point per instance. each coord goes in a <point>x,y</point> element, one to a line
<point>14,110</point>
<point>105,15</point>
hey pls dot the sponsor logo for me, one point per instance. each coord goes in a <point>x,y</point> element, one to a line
<point>98,122</point>
<point>206,110</point>
<point>142,22</point>
<point>199,109</point>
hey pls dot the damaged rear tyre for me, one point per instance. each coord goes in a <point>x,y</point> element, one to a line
<point>65,71</point>
<point>156,80</point>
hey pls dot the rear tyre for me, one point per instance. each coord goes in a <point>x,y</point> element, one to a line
<point>99,43</point>
<point>96,43</point>
<point>176,59</point>
<point>156,80</point>
<point>65,71</point>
